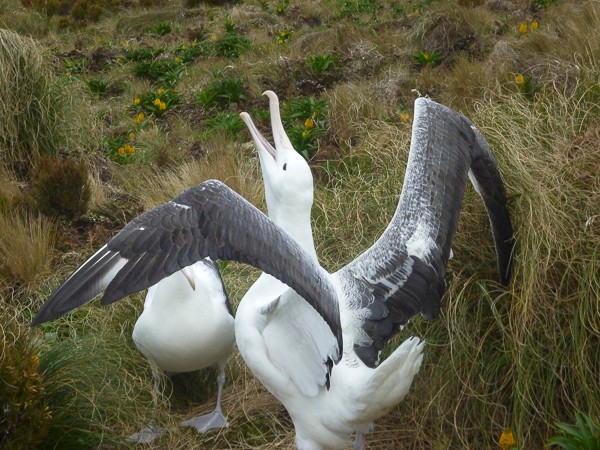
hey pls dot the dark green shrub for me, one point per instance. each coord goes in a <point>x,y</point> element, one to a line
<point>61,187</point>
<point>222,92</point>
<point>167,72</point>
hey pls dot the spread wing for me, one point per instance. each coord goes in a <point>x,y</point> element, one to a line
<point>207,220</point>
<point>402,274</point>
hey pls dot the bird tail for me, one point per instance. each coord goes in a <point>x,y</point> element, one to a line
<point>390,382</point>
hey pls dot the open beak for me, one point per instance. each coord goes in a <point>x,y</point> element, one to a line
<point>279,136</point>
<point>259,140</point>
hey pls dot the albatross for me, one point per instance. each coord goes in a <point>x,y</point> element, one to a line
<point>187,325</point>
<point>316,346</point>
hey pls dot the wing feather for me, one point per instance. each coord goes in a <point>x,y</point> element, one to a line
<point>405,268</point>
<point>207,220</point>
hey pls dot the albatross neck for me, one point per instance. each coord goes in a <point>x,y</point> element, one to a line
<point>295,221</point>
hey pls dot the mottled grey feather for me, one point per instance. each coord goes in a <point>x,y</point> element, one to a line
<point>405,268</point>
<point>207,220</point>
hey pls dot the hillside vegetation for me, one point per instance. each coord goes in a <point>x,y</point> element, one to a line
<point>110,107</point>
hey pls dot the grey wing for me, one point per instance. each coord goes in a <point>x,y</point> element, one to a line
<point>207,220</point>
<point>402,274</point>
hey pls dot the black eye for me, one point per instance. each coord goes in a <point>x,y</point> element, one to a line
<point>285,166</point>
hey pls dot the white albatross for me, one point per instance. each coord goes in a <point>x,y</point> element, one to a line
<point>187,325</point>
<point>289,348</point>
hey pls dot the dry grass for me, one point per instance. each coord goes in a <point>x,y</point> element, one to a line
<point>222,161</point>
<point>39,114</point>
<point>520,358</point>
<point>26,246</point>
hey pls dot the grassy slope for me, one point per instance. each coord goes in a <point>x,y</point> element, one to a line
<point>520,358</point>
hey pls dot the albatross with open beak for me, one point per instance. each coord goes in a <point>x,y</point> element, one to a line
<point>292,339</point>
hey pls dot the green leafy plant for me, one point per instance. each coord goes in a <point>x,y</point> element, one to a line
<point>584,436</point>
<point>231,44</point>
<point>120,148</point>
<point>302,108</point>
<point>423,59</point>
<point>188,52</point>
<point>99,86</point>
<point>526,85</point>
<point>281,7</point>
<point>305,118</point>
<point>156,103</point>
<point>167,72</point>
<point>222,92</point>
<point>76,65</point>
<point>283,36</point>
<point>61,187</point>
<point>143,54</point>
<point>225,121</point>
<point>321,63</point>
<point>161,29</point>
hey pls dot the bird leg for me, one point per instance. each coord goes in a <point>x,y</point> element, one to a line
<point>359,441</point>
<point>150,432</point>
<point>215,419</point>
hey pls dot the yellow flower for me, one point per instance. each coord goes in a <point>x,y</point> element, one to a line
<point>417,11</point>
<point>177,59</point>
<point>520,79</point>
<point>534,25</point>
<point>523,28</point>
<point>129,149</point>
<point>214,38</point>
<point>160,91</point>
<point>304,133</point>
<point>280,41</point>
<point>36,360</point>
<point>194,44</point>
<point>309,123</point>
<point>161,105</point>
<point>121,151</point>
<point>184,47</point>
<point>404,117</point>
<point>136,101</point>
<point>139,118</point>
<point>132,136</point>
<point>119,60</point>
<point>507,439</point>
<point>283,34</point>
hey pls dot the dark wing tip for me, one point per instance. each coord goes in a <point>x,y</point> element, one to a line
<point>81,286</point>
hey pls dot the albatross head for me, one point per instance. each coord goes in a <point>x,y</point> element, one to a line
<point>286,174</point>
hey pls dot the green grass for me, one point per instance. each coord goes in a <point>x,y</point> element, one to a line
<point>523,358</point>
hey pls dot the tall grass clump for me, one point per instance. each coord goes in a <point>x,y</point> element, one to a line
<point>36,114</point>
<point>61,187</point>
<point>26,245</point>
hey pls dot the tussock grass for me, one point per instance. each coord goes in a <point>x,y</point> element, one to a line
<point>37,113</point>
<point>14,16</point>
<point>26,245</point>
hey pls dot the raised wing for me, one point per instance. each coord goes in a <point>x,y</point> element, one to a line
<point>207,220</point>
<point>402,274</point>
